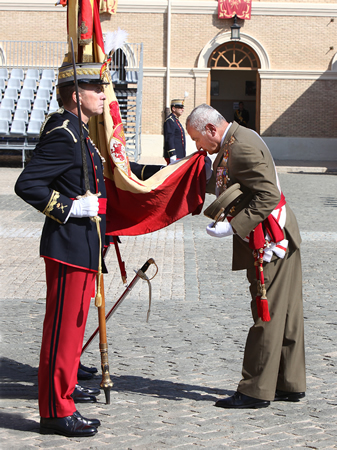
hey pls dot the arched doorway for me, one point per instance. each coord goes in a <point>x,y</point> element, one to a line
<point>234,77</point>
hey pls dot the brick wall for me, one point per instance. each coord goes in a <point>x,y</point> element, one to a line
<point>289,107</point>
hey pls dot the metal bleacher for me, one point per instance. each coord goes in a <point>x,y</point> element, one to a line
<point>25,102</point>
<point>28,92</point>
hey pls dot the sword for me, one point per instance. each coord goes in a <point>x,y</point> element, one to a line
<point>139,274</point>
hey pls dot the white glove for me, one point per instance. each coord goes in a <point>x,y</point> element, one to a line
<point>173,159</point>
<point>221,229</point>
<point>85,207</point>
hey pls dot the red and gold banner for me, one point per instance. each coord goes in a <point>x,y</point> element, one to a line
<point>108,6</point>
<point>134,207</point>
<point>229,8</point>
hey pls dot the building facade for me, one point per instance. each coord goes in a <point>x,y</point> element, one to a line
<point>284,67</point>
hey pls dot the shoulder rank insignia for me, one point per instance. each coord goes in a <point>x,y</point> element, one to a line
<point>65,127</point>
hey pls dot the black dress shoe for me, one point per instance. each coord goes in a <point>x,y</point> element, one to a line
<point>88,391</point>
<point>239,400</point>
<point>88,369</point>
<point>82,375</point>
<point>90,422</point>
<point>288,396</point>
<point>69,426</point>
<point>81,397</point>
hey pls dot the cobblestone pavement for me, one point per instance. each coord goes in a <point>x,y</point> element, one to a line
<point>167,373</point>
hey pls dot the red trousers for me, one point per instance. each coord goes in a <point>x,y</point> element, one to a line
<point>69,291</point>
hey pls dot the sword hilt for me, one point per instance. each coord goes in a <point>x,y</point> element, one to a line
<point>147,265</point>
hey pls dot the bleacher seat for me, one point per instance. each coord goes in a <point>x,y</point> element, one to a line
<point>37,115</point>
<point>8,103</point>
<point>34,128</point>
<point>18,128</point>
<point>30,83</point>
<point>43,93</point>
<point>27,94</point>
<point>2,85</point>
<point>48,74</point>
<point>24,103</point>
<point>14,83</point>
<point>18,73</point>
<point>46,83</point>
<point>6,114</point>
<point>40,103</point>
<point>4,73</point>
<point>33,74</point>
<point>11,93</point>
<point>21,114</point>
<point>4,128</point>
<point>54,106</point>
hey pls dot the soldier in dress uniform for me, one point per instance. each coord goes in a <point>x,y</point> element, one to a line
<point>174,134</point>
<point>53,183</point>
<point>274,357</point>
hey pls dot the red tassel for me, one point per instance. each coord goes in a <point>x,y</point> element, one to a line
<point>265,316</point>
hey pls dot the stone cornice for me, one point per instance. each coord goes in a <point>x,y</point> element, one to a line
<point>183,72</point>
<point>297,75</point>
<point>186,7</point>
<point>186,72</point>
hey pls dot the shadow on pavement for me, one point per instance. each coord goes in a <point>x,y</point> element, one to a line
<point>18,422</point>
<point>166,389</point>
<point>17,380</point>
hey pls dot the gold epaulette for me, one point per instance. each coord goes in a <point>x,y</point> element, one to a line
<point>58,111</point>
<point>169,117</point>
<point>64,126</point>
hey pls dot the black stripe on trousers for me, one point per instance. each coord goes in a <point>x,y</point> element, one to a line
<point>55,337</point>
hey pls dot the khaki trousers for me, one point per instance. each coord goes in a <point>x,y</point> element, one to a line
<point>274,353</point>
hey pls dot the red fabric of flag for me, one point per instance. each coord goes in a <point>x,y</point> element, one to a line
<point>180,192</point>
<point>229,8</point>
<point>85,22</point>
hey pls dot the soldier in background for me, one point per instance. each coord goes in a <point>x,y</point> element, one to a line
<point>241,115</point>
<point>174,134</point>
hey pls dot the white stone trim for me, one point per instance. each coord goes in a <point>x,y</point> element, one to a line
<point>154,72</point>
<point>226,37</point>
<point>297,75</point>
<point>31,5</point>
<point>334,63</point>
<point>181,72</point>
<point>186,7</point>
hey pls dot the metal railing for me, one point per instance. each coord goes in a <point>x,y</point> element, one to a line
<point>32,54</point>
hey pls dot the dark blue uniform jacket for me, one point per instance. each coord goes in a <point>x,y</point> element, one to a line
<point>174,138</point>
<point>52,180</point>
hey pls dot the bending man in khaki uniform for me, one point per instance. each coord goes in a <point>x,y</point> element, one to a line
<point>274,361</point>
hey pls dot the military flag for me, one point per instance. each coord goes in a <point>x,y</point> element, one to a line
<point>134,207</point>
<point>229,8</point>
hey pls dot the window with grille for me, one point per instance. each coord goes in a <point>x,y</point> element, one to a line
<point>234,55</point>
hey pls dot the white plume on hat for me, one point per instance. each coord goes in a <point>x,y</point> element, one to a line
<point>115,40</point>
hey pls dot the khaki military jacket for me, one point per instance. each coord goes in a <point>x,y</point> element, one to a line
<point>251,165</point>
